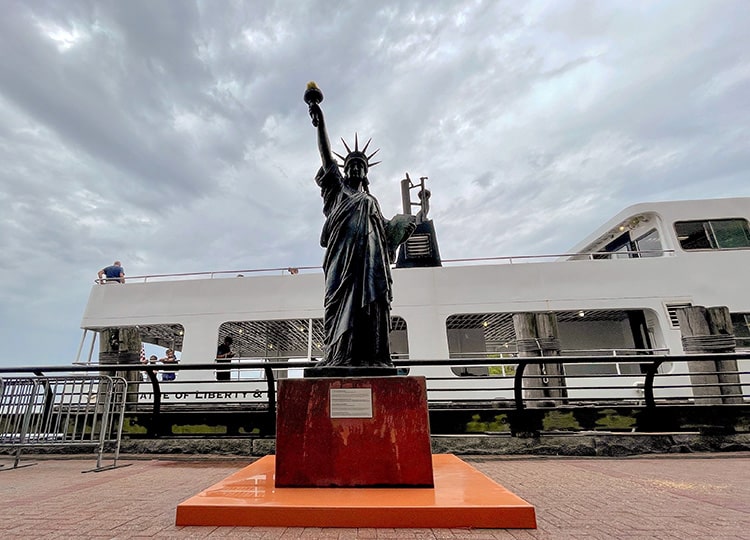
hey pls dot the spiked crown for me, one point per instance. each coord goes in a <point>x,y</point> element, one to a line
<point>357,154</point>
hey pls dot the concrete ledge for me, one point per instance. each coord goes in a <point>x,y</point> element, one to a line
<point>228,446</point>
<point>591,444</point>
<point>574,444</point>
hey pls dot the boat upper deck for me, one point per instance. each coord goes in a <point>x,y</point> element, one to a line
<point>611,274</point>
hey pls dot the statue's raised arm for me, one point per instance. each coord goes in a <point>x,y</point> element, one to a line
<point>313,97</point>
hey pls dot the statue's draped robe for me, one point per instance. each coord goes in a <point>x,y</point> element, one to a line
<point>357,274</point>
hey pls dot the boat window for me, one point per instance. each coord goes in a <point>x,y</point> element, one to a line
<point>617,248</point>
<point>478,336</point>
<point>741,324</point>
<point>147,344</point>
<point>162,336</point>
<point>713,234</point>
<point>399,340</point>
<point>649,244</point>
<point>624,247</point>
<point>282,340</point>
<point>273,339</point>
<point>621,252</point>
<point>489,336</point>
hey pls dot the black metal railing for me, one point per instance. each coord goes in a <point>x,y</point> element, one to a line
<point>476,391</point>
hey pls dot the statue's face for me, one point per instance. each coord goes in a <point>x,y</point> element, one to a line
<point>355,169</point>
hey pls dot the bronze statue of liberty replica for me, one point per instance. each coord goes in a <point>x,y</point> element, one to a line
<point>360,245</point>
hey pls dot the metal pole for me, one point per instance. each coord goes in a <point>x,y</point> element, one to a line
<point>406,195</point>
<point>91,350</point>
<point>309,338</point>
<point>80,346</point>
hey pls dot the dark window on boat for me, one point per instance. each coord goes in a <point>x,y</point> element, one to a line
<point>490,336</point>
<point>271,339</point>
<point>649,245</point>
<point>290,339</point>
<point>622,252</point>
<point>479,336</point>
<point>625,247</point>
<point>617,248</point>
<point>741,324</point>
<point>713,234</point>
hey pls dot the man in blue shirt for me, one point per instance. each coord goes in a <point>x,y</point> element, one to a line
<point>114,274</point>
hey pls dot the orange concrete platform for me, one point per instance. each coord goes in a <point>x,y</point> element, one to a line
<point>462,497</point>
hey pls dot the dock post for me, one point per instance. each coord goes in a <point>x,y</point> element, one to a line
<point>122,346</point>
<point>537,335</point>
<point>706,331</point>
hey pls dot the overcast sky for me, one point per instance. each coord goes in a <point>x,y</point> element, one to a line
<point>172,135</point>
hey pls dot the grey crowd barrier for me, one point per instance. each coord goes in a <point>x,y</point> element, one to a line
<point>73,410</point>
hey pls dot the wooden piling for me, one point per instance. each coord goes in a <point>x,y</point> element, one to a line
<point>705,331</point>
<point>122,346</point>
<point>537,335</point>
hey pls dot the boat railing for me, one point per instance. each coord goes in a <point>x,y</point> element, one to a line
<point>563,257</point>
<point>571,369</point>
<point>565,352</point>
<point>530,389</point>
<point>294,270</point>
<point>219,274</point>
<point>613,352</point>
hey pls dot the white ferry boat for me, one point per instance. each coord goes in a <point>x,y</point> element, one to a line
<point>615,293</point>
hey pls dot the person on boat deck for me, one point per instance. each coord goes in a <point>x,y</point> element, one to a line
<point>360,244</point>
<point>114,273</point>
<point>225,349</point>
<point>169,359</point>
<point>151,360</point>
<point>223,354</point>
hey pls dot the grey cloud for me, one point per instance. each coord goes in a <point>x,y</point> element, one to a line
<point>172,135</point>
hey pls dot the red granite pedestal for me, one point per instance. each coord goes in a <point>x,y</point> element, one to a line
<point>353,432</point>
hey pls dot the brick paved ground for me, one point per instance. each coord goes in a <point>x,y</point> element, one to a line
<point>675,497</point>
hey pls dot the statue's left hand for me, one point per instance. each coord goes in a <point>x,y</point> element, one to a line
<point>410,228</point>
<point>400,228</point>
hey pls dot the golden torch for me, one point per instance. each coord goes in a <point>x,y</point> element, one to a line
<point>313,95</point>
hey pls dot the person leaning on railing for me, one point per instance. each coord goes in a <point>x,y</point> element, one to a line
<point>169,359</point>
<point>152,360</point>
<point>114,273</point>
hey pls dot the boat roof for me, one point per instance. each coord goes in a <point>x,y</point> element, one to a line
<point>668,212</point>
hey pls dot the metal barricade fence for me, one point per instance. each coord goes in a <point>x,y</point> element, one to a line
<point>71,410</point>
